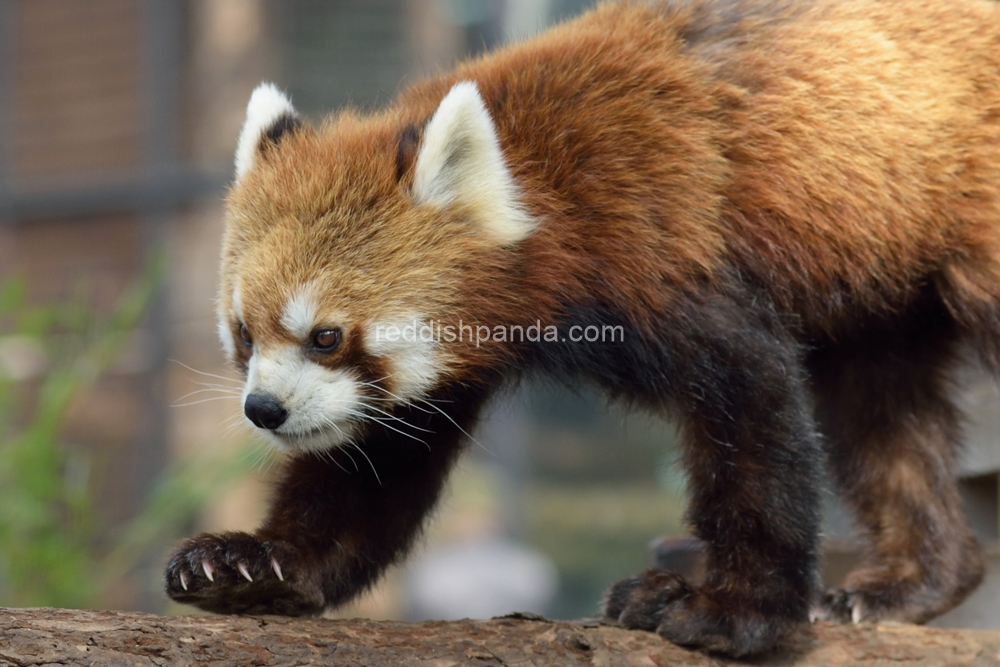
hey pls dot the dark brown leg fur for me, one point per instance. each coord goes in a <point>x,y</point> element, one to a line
<point>752,457</point>
<point>337,521</point>
<point>892,433</point>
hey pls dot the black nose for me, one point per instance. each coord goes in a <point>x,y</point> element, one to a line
<point>264,411</point>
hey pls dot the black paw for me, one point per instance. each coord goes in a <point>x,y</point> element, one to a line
<point>837,605</point>
<point>640,602</point>
<point>662,601</point>
<point>235,573</point>
<point>901,589</point>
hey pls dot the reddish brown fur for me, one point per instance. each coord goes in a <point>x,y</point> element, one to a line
<point>770,196</point>
<point>833,156</point>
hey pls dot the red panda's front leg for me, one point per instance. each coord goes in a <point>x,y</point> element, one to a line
<point>337,521</point>
<point>753,457</point>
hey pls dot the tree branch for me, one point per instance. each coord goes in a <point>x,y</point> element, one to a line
<point>67,637</point>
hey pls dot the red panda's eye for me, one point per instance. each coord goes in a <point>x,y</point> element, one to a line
<point>245,336</point>
<point>326,340</point>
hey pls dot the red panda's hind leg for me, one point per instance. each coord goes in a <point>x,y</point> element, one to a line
<point>892,434</point>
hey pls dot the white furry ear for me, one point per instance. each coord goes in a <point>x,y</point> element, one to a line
<point>460,162</point>
<point>269,115</point>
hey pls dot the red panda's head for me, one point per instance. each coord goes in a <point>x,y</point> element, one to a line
<point>343,244</point>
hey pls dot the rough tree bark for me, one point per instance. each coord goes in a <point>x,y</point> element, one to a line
<point>105,638</point>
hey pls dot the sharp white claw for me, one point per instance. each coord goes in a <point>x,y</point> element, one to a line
<point>184,581</point>
<point>277,569</point>
<point>242,567</point>
<point>208,570</point>
<point>814,615</point>
<point>857,612</point>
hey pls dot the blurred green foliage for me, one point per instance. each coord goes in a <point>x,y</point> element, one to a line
<point>55,549</point>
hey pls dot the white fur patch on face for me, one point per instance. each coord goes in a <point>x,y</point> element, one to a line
<point>226,337</point>
<point>322,404</point>
<point>225,333</point>
<point>267,104</point>
<point>460,161</point>
<point>238,303</point>
<point>300,314</point>
<point>409,348</point>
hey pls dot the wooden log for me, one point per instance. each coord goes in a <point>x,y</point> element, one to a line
<point>109,638</point>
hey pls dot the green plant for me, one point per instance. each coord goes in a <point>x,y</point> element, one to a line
<point>55,550</point>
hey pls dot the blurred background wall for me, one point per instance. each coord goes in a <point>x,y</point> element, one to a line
<point>118,122</point>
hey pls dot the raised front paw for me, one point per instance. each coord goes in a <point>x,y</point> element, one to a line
<point>235,573</point>
<point>664,602</point>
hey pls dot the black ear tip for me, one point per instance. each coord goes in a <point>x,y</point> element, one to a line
<point>406,150</point>
<point>282,125</point>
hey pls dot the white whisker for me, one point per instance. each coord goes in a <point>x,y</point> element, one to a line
<point>227,392</point>
<point>203,400</point>
<point>426,401</point>
<point>214,385</point>
<point>261,454</point>
<point>375,472</point>
<point>348,454</point>
<point>347,440</point>
<point>328,455</point>
<point>400,399</point>
<point>235,381</point>
<point>389,415</point>
<point>459,427</point>
<point>235,421</point>
<point>386,425</point>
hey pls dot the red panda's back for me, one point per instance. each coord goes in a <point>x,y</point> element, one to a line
<point>866,152</point>
<point>844,153</point>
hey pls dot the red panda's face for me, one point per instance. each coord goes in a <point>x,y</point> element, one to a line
<point>318,366</point>
<point>333,267</point>
<point>322,319</point>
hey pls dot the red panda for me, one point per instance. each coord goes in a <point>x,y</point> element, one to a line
<point>790,210</point>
